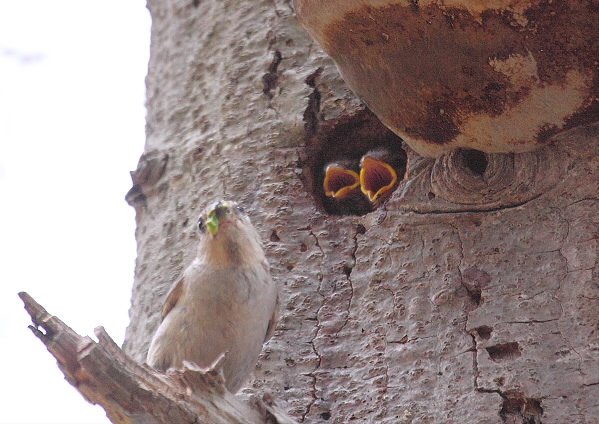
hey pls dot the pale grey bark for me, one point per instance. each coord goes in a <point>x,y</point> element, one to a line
<point>466,298</point>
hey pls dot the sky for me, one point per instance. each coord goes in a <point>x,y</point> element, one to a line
<point>72,122</point>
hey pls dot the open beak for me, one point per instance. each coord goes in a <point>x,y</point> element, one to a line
<point>377,178</point>
<point>219,210</point>
<point>339,182</point>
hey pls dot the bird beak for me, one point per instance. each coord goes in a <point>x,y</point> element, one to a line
<point>219,210</point>
<point>340,181</point>
<point>376,178</point>
<point>212,222</point>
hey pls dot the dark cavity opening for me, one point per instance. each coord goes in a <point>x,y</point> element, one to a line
<point>339,145</point>
<point>484,332</point>
<point>475,160</point>
<point>517,408</point>
<point>504,351</point>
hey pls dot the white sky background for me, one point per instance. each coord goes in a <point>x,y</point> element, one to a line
<point>71,128</point>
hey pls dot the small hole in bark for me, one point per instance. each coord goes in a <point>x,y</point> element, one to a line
<point>347,270</point>
<point>303,247</point>
<point>184,224</point>
<point>325,416</point>
<point>475,160</point>
<point>484,332</point>
<point>431,195</point>
<point>353,163</point>
<point>475,293</point>
<point>274,237</point>
<point>195,3</point>
<point>360,229</point>
<point>517,408</point>
<point>290,267</point>
<point>504,351</point>
<point>270,78</point>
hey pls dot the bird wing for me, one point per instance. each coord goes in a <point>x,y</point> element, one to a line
<point>273,321</point>
<point>172,297</point>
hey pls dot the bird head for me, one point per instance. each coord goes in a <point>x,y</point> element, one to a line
<point>227,235</point>
<point>221,215</point>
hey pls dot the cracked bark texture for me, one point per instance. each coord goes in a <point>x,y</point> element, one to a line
<point>466,298</point>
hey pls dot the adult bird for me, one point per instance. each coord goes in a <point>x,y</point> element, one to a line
<point>224,303</point>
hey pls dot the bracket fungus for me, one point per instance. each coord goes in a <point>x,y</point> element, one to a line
<point>495,76</point>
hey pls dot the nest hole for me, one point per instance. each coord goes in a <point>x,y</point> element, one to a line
<point>353,164</point>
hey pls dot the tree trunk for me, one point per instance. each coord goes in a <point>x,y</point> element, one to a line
<point>470,296</point>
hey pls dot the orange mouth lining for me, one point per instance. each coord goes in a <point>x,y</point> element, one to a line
<point>339,182</point>
<point>376,178</point>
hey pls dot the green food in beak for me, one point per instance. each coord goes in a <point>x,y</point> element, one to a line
<point>212,222</point>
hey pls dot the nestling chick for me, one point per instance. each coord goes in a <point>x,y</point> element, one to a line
<point>225,300</point>
<point>341,186</point>
<point>340,180</point>
<point>378,176</point>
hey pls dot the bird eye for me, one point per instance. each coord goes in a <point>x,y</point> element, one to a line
<point>201,225</point>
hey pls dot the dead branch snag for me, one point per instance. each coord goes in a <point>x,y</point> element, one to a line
<point>132,393</point>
